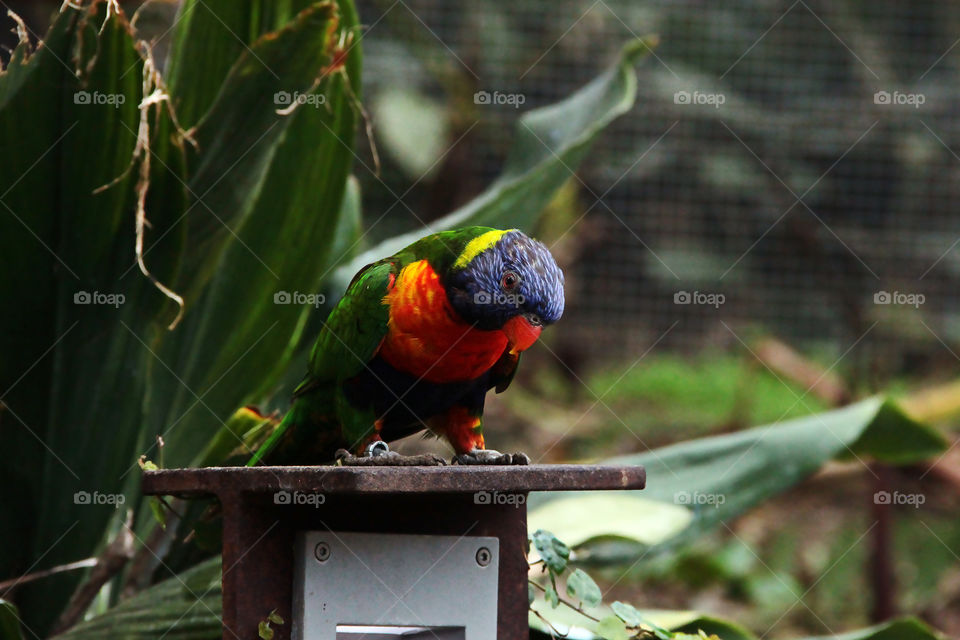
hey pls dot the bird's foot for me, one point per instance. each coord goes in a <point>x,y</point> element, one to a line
<point>378,454</point>
<point>490,456</point>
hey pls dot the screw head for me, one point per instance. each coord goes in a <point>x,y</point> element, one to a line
<point>484,556</point>
<point>321,552</point>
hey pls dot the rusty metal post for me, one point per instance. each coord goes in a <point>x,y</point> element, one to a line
<point>260,521</point>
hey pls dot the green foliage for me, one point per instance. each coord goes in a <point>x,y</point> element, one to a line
<point>551,596</point>
<point>265,631</point>
<point>552,551</point>
<point>612,628</point>
<point>695,485</point>
<point>585,616</point>
<point>184,607</point>
<point>67,382</point>
<point>581,587</point>
<point>692,487</point>
<point>10,621</point>
<point>237,210</point>
<point>670,393</point>
<point>904,629</point>
<point>632,617</point>
<point>622,621</point>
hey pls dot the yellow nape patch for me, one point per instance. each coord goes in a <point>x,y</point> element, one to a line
<point>478,245</point>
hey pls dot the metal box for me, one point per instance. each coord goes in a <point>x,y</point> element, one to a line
<point>269,512</point>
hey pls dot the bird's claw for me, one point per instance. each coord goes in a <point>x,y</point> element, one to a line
<point>492,457</point>
<point>378,454</point>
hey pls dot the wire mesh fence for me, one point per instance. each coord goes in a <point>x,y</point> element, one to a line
<point>788,168</point>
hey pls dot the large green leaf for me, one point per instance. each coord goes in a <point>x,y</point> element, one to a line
<point>74,373</point>
<point>208,37</point>
<point>548,145</point>
<point>576,627</point>
<point>9,622</point>
<point>269,187</point>
<point>184,607</point>
<point>30,127</point>
<point>85,386</point>
<point>693,486</point>
<point>903,629</point>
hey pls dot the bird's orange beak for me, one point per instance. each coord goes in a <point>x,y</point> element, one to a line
<point>521,334</point>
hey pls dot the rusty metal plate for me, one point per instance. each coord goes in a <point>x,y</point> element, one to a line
<point>373,480</point>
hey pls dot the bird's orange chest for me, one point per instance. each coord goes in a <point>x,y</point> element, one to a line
<point>426,338</point>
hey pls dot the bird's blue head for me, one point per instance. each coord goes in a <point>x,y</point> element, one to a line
<point>507,280</point>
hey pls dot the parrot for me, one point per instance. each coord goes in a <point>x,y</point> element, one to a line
<point>415,344</point>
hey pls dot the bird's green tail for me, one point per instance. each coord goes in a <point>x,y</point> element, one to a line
<point>270,444</point>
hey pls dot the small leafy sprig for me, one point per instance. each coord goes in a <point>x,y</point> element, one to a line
<point>582,592</point>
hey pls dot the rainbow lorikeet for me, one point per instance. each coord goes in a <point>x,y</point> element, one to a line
<point>416,342</point>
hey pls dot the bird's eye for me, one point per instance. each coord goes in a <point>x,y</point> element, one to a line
<point>509,281</point>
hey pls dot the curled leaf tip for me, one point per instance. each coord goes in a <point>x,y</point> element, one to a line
<point>636,49</point>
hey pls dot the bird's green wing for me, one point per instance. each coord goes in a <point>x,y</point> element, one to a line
<point>354,330</point>
<point>349,340</point>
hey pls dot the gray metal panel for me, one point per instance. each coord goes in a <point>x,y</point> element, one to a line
<point>390,579</point>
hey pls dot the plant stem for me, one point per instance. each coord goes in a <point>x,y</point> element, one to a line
<point>577,608</point>
<point>8,585</point>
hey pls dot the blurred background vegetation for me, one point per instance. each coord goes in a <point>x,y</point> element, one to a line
<point>798,199</point>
